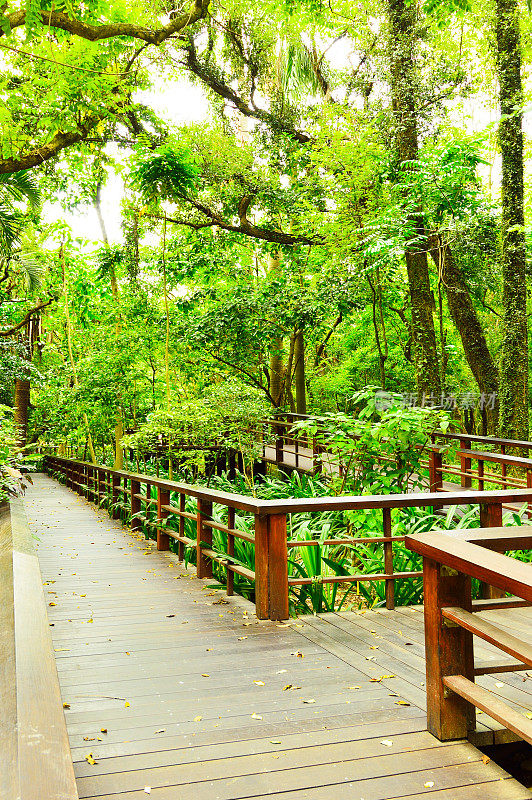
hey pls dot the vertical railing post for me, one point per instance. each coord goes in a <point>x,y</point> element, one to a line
<point>163,499</point>
<point>448,651</point>
<point>204,537</point>
<point>388,558</point>
<point>279,444</point>
<point>465,465</point>
<point>230,550</point>
<point>115,495</point>
<point>278,567</point>
<point>271,567</point>
<point>491,517</point>
<point>181,545</point>
<point>503,467</point>
<point>529,486</point>
<point>262,595</point>
<point>480,475</point>
<point>134,504</point>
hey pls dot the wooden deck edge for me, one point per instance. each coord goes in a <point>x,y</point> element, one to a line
<point>37,752</point>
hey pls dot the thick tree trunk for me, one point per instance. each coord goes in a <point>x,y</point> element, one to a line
<point>468,325</point>
<point>513,419</point>
<point>22,405</point>
<point>403,35</point>
<point>299,373</point>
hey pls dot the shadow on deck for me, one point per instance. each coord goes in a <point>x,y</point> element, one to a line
<point>172,688</point>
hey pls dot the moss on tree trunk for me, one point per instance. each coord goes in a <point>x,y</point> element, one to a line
<point>513,420</point>
<point>403,80</point>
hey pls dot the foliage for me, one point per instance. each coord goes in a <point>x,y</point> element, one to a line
<point>380,449</point>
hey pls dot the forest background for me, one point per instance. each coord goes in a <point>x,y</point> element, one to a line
<point>313,197</point>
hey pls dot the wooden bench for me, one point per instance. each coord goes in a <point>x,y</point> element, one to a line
<point>35,759</point>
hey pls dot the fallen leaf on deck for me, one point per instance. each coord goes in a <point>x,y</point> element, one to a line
<point>147,789</point>
<point>52,604</point>
<point>288,686</point>
<point>258,683</point>
<point>486,759</point>
<point>126,704</point>
<point>401,703</point>
<point>103,730</point>
<point>198,719</point>
<point>387,742</point>
<point>66,705</point>
<point>428,784</point>
<point>275,741</point>
<point>90,759</point>
<point>205,675</point>
<point>256,716</point>
<point>297,653</point>
<point>161,730</point>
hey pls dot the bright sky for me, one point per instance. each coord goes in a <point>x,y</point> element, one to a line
<point>177,103</point>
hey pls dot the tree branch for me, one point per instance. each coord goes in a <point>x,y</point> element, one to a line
<point>111,30</point>
<point>247,229</point>
<point>26,318</point>
<point>219,87</point>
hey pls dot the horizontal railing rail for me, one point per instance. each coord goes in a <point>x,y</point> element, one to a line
<point>450,561</point>
<point>35,757</point>
<point>185,513</point>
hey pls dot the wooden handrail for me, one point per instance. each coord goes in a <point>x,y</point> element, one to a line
<point>35,758</point>
<point>449,564</point>
<point>270,576</point>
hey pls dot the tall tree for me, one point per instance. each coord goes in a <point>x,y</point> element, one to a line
<point>513,421</point>
<point>404,83</point>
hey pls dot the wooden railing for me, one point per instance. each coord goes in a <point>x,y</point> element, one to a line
<point>191,509</point>
<point>35,758</point>
<point>450,561</point>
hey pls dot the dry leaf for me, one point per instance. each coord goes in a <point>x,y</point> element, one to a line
<point>258,683</point>
<point>205,675</point>
<point>66,705</point>
<point>198,719</point>
<point>288,686</point>
<point>256,716</point>
<point>126,704</point>
<point>89,758</point>
<point>103,730</point>
<point>401,703</point>
<point>161,730</point>
<point>275,741</point>
<point>308,700</point>
<point>486,759</point>
<point>52,604</point>
<point>428,784</point>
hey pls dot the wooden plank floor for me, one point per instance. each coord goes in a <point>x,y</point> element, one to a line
<point>177,692</point>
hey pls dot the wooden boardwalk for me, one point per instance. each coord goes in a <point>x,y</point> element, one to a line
<point>175,691</point>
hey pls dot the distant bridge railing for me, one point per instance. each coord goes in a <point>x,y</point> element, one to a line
<point>469,458</point>
<point>450,561</point>
<point>196,513</point>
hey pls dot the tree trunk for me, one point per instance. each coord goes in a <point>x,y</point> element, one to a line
<point>276,353</point>
<point>403,35</point>
<point>119,432</point>
<point>468,325</point>
<point>299,373</point>
<point>513,418</point>
<point>22,405</point>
